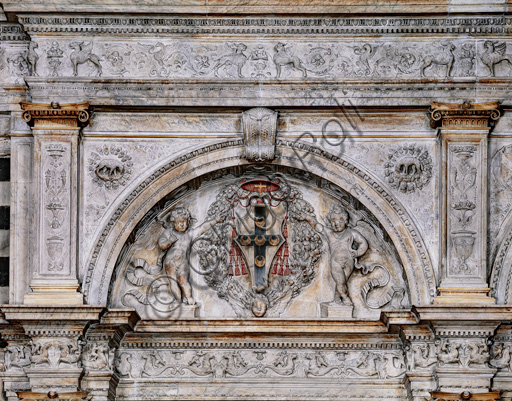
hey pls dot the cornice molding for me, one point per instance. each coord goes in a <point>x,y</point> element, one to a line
<point>10,31</point>
<point>233,25</point>
<point>210,7</point>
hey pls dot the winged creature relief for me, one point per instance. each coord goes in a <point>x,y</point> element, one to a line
<point>82,53</point>
<point>494,54</point>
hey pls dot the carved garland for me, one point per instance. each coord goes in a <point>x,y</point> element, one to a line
<point>401,212</point>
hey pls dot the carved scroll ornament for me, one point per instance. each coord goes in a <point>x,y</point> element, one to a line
<point>464,116</point>
<point>55,115</point>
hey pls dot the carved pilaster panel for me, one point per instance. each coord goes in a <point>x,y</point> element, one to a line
<point>55,201</point>
<point>55,128</point>
<point>465,225</point>
<point>464,129</point>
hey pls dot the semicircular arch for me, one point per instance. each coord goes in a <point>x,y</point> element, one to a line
<point>173,173</point>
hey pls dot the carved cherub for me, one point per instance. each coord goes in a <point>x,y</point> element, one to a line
<point>176,241</point>
<point>346,245</point>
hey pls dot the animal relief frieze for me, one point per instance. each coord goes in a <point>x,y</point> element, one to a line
<point>97,356</point>
<point>265,59</point>
<point>464,353</point>
<point>17,357</point>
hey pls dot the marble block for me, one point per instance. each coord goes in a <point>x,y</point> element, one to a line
<point>333,309</point>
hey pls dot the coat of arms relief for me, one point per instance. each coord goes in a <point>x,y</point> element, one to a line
<point>260,245</point>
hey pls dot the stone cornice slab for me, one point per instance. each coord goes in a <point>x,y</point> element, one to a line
<point>250,93</point>
<point>267,326</point>
<point>257,7</point>
<point>464,313</point>
<point>59,314</point>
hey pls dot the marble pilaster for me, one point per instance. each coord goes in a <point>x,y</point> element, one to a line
<point>56,131</point>
<point>464,130</point>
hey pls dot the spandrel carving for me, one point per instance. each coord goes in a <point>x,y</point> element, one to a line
<point>258,250</point>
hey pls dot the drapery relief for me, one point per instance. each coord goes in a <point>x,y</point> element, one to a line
<point>259,243</point>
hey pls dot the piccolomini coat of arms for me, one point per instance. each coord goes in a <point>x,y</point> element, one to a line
<point>263,253</point>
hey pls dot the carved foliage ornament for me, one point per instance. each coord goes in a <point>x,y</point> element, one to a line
<point>464,116</point>
<point>260,129</point>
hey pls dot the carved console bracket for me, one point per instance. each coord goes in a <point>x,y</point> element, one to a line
<point>260,130</point>
<point>465,395</point>
<point>464,116</point>
<point>56,116</point>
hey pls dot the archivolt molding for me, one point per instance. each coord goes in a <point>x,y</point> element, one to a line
<point>501,275</point>
<point>368,190</point>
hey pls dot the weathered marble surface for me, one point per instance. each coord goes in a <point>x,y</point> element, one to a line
<point>390,223</point>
